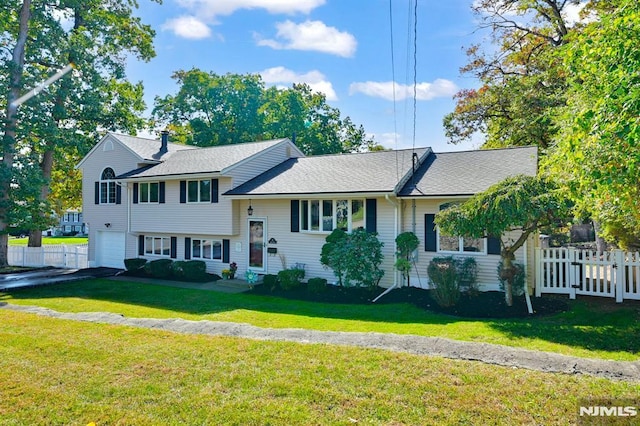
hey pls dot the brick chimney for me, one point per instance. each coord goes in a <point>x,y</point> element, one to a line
<point>164,140</point>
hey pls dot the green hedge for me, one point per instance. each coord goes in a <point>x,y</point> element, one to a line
<point>317,285</point>
<point>135,263</point>
<point>159,268</point>
<point>290,278</point>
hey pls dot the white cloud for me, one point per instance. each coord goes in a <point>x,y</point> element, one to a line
<point>571,14</point>
<point>213,8</point>
<point>188,27</point>
<point>315,79</point>
<point>312,35</point>
<point>424,91</point>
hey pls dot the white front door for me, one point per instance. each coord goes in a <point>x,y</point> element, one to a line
<point>257,230</point>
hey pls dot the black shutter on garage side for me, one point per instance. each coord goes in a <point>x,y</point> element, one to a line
<point>430,232</point>
<point>118,194</point>
<point>135,192</point>
<point>295,215</point>
<point>174,247</point>
<point>187,248</point>
<point>183,191</point>
<point>161,192</point>
<point>214,190</point>
<point>97,192</point>
<point>140,245</point>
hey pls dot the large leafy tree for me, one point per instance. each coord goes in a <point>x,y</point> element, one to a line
<point>510,210</point>
<point>522,81</point>
<point>62,123</point>
<point>211,109</point>
<point>598,151</point>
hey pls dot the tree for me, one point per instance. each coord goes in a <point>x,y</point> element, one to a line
<point>522,82</point>
<point>64,122</point>
<point>210,109</point>
<point>597,156</point>
<point>520,205</point>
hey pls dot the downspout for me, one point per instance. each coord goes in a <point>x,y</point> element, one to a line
<point>395,233</point>
<point>527,298</point>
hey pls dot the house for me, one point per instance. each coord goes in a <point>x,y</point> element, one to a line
<point>71,223</point>
<point>265,205</point>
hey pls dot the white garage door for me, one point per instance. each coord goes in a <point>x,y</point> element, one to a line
<point>110,249</point>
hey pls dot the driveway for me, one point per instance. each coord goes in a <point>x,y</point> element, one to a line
<point>51,276</point>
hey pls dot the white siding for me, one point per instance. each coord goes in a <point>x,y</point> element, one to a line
<point>487,264</point>
<point>121,160</point>
<point>262,162</point>
<point>301,247</point>
<point>184,218</point>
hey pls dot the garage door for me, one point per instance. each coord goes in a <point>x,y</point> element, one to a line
<point>110,249</point>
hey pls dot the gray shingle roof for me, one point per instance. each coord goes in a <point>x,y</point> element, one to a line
<point>346,173</point>
<point>149,149</point>
<point>205,160</point>
<point>470,172</point>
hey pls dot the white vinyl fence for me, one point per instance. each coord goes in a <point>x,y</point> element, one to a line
<point>574,272</point>
<point>58,255</point>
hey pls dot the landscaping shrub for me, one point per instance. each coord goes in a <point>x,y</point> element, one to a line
<point>177,269</point>
<point>159,268</point>
<point>195,270</point>
<point>443,273</point>
<point>355,258</point>
<point>270,281</point>
<point>406,244</point>
<point>468,275</point>
<point>134,264</point>
<point>317,285</point>
<point>519,279</point>
<point>290,278</point>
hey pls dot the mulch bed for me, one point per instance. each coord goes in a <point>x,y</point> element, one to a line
<point>490,304</point>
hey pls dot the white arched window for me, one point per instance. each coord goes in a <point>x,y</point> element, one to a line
<point>108,186</point>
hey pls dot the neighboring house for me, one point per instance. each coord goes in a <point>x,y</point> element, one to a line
<point>265,205</point>
<point>71,222</point>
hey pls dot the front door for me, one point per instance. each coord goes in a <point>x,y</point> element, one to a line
<point>257,245</point>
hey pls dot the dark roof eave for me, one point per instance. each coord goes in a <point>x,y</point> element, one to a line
<point>230,194</point>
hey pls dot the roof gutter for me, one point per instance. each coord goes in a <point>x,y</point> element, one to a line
<point>395,233</point>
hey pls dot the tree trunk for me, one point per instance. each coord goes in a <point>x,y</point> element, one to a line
<point>9,139</point>
<point>35,236</point>
<point>508,274</point>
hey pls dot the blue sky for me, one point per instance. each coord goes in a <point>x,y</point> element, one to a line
<point>340,47</point>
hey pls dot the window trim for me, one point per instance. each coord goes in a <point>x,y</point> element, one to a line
<point>461,250</point>
<point>212,241</point>
<point>108,183</point>
<point>199,191</point>
<point>148,190</point>
<point>150,251</point>
<point>306,219</point>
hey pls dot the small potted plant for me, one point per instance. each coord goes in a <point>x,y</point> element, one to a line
<point>230,273</point>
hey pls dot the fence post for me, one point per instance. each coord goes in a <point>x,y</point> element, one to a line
<point>620,274</point>
<point>572,256</point>
<point>538,278</point>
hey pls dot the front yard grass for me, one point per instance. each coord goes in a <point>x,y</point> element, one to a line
<point>585,330</point>
<point>50,241</point>
<point>66,372</point>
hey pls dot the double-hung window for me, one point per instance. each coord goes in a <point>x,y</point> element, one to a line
<point>157,246</point>
<point>459,244</point>
<point>199,191</point>
<point>206,249</point>
<point>149,192</point>
<point>108,186</point>
<point>327,215</point>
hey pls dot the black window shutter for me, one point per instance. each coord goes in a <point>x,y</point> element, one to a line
<point>161,191</point>
<point>295,215</point>
<point>183,191</point>
<point>140,245</point>
<point>225,251</point>
<point>174,247</point>
<point>118,194</point>
<point>135,193</point>
<point>372,213</point>
<point>187,248</point>
<point>97,194</point>
<point>430,232</point>
<point>214,190</point>
<point>493,245</point>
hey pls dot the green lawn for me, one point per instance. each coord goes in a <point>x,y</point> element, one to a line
<point>586,330</point>
<point>49,240</point>
<point>73,373</point>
